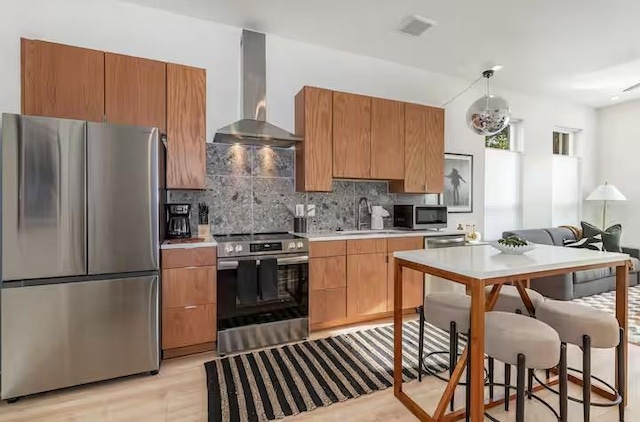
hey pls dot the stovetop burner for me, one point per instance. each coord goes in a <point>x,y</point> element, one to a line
<point>249,244</point>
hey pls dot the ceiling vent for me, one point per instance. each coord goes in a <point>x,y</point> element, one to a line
<point>416,25</point>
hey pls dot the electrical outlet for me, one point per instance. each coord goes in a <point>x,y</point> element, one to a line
<point>311,210</point>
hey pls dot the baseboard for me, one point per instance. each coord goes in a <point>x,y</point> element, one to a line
<point>188,350</point>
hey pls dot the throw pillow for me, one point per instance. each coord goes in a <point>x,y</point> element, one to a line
<point>594,243</point>
<point>610,238</point>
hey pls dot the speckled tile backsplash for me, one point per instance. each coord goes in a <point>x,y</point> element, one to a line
<point>252,189</point>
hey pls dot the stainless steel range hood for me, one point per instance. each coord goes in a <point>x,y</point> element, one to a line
<point>253,129</point>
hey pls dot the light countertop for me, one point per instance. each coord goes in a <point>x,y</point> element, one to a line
<point>483,261</point>
<point>375,234</point>
<point>194,242</point>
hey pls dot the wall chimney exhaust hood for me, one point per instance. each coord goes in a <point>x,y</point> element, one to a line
<point>253,129</point>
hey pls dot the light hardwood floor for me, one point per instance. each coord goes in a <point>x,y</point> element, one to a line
<point>179,393</point>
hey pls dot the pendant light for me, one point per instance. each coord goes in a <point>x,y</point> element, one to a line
<point>489,114</point>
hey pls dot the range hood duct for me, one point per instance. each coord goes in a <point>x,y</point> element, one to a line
<point>253,129</point>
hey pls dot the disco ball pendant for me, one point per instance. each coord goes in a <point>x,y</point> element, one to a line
<point>488,115</point>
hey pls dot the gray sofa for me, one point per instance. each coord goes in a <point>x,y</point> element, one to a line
<point>579,283</point>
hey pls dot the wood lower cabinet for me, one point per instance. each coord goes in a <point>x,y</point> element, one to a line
<point>135,91</point>
<point>412,281</point>
<point>314,156</point>
<point>186,127</point>
<point>387,139</point>
<point>188,300</point>
<point>351,136</point>
<point>188,286</point>
<point>189,257</point>
<point>330,248</point>
<point>328,305</point>
<point>328,273</point>
<point>62,81</point>
<point>366,284</point>
<point>189,325</point>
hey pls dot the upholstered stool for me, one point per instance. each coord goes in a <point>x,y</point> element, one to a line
<point>509,299</point>
<point>587,327</point>
<point>527,343</point>
<point>449,312</point>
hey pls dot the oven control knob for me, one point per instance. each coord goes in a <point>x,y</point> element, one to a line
<point>291,245</point>
<point>300,245</point>
<point>228,248</point>
<point>239,248</point>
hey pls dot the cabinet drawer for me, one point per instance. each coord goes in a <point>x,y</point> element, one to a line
<point>395,244</point>
<point>328,273</point>
<point>331,248</point>
<point>328,305</point>
<point>188,326</point>
<point>188,286</point>
<point>188,257</point>
<point>362,246</point>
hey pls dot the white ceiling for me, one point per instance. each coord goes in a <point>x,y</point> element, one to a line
<point>583,50</point>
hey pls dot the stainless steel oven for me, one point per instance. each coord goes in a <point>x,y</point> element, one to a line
<point>420,217</point>
<point>263,291</point>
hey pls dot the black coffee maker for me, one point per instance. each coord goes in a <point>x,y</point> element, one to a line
<point>178,221</point>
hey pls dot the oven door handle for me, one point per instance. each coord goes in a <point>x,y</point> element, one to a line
<point>232,265</point>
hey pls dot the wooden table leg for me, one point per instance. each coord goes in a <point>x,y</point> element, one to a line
<point>520,285</point>
<point>622,304</point>
<point>397,328</point>
<point>476,350</point>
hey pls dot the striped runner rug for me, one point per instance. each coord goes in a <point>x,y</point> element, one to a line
<point>287,380</point>
<point>607,302</point>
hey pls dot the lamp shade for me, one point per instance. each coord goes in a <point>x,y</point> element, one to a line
<point>606,192</point>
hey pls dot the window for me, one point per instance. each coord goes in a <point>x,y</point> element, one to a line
<point>503,181</point>
<point>563,143</point>
<point>566,179</point>
<point>501,140</point>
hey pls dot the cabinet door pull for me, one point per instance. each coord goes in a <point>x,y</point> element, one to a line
<point>192,267</point>
<point>190,307</point>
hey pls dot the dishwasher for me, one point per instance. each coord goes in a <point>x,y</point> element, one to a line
<point>432,283</point>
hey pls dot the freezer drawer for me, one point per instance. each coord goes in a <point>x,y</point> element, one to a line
<point>123,195</point>
<point>43,197</point>
<point>61,335</point>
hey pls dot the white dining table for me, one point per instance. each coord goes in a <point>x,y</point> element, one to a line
<point>480,266</point>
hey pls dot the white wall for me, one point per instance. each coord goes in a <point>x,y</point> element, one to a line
<point>140,31</point>
<point>619,143</point>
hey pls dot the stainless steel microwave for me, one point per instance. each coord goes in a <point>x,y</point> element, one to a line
<point>417,217</point>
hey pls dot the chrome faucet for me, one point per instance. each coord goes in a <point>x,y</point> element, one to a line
<point>361,201</point>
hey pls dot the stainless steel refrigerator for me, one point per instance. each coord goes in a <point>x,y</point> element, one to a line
<point>80,252</point>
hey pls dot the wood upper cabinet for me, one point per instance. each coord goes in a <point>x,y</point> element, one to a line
<point>434,135</point>
<point>314,156</point>
<point>423,151</point>
<point>62,81</point>
<point>186,127</point>
<point>387,139</point>
<point>412,281</point>
<point>351,136</point>
<point>135,91</point>
<point>366,284</point>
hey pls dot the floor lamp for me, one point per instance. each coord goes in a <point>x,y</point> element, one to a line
<point>606,193</point>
